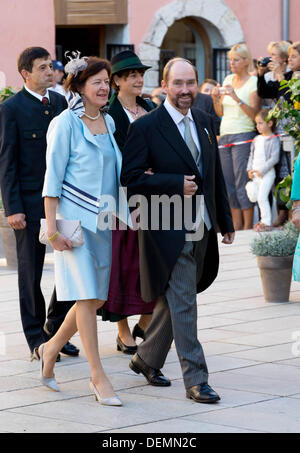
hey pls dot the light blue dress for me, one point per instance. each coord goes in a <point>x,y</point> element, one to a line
<point>84,272</point>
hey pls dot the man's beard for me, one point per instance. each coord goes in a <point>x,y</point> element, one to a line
<point>186,104</point>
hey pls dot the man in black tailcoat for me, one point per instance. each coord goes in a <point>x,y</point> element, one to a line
<point>179,145</point>
<point>24,120</point>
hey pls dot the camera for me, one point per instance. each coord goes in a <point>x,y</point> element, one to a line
<point>222,90</point>
<point>264,61</point>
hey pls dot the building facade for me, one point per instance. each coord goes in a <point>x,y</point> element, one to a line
<point>200,30</point>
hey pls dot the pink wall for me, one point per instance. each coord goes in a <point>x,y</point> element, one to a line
<point>260,20</point>
<point>141,15</point>
<point>24,23</point>
<point>294,23</point>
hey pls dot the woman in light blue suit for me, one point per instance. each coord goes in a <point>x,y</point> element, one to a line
<point>83,165</point>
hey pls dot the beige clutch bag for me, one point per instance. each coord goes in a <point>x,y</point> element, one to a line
<point>71,229</point>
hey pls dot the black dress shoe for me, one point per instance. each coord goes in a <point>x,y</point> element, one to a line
<point>153,376</point>
<point>138,332</point>
<point>130,350</point>
<point>70,349</point>
<point>202,393</point>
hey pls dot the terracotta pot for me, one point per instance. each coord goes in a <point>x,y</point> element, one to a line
<point>8,242</point>
<point>276,277</point>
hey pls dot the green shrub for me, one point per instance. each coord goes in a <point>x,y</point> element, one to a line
<point>6,93</point>
<point>279,243</point>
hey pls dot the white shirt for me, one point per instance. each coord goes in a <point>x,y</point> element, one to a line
<point>259,158</point>
<point>131,120</point>
<point>178,118</point>
<point>36,95</point>
<point>58,89</point>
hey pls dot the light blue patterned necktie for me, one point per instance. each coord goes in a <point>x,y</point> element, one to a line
<point>189,139</point>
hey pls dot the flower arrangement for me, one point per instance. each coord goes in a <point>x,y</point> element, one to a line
<point>279,243</point>
<point>290,113</point>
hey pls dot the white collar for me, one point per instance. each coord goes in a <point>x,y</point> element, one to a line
<point>176,116</point>
<point>36,95</point>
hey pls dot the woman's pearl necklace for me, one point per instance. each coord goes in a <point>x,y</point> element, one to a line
<point>93,117</point>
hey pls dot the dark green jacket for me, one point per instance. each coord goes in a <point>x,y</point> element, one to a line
<point>121,119</point>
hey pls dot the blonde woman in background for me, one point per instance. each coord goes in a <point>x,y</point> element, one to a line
<point>278,52</point>
<point>237,102</point>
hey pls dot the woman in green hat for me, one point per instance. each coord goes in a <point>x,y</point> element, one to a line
<point>127,105</point>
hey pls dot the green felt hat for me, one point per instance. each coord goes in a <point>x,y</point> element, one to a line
<point>126,60</point>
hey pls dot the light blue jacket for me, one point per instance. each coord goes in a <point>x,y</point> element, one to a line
<point>75,170</point>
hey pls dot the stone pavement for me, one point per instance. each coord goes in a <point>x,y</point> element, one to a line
<point>249,350</point>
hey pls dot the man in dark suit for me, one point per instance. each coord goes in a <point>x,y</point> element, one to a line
<point>24,120</point>
<point>179,145</point>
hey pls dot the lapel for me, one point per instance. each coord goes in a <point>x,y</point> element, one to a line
<point>85,130</point>
<point>171,133</point>
<point>33,98</point>
<point>115,145</point>
<point>204,139</point>
<point>117,112</point>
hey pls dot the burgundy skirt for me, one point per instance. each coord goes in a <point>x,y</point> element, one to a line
<point>124,296</point>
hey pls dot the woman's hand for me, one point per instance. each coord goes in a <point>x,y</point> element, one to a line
<point>277,70</point>
<point>61,243</point>
<point>251,174</point>
<point>216,92</point>
<point>230,92</point>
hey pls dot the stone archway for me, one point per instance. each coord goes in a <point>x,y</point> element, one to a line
<point>215,12</point>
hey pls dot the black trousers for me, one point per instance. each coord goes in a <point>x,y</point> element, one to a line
<point>31,255</point>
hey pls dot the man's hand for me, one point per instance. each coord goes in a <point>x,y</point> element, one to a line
<point>228,238</point>
<point>149,172</point>
<point>17,221</point>
<point>189,187</point>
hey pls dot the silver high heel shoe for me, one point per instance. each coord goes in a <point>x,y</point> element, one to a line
<point>48,382</point>
<point>112,401</point>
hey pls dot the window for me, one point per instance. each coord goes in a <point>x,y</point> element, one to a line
<point>114,49</point>
<point>221,66</point>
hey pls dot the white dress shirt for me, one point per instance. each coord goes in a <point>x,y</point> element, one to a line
<point>37,95</point>
<point>178,118</point>
<point>58,89</point>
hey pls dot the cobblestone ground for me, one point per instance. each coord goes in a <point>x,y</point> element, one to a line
<point>248,345</point>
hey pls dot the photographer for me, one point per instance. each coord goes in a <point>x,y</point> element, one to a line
<point>237,103</point>
<point>282,53</point>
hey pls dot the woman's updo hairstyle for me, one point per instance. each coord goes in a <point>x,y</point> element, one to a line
<point>74,82</point>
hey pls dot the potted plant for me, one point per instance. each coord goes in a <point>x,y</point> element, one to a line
<point>275,253</point>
